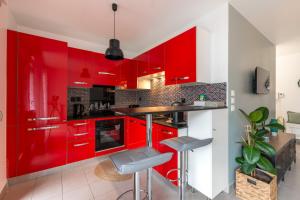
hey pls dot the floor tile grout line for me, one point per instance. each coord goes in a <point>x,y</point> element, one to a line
<point>62,186</point>
<point>90,188</point>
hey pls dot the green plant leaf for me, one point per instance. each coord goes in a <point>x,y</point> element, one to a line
<point>247,168</point>
<point>251,154</point>
<point>265,112</point>
<point>256,116</point>
<point>245,115</point>
<point>276,125</point>
<point>266,148</point>
<point>239,160</point>
<point>266,165</point>
<point>261,133</point>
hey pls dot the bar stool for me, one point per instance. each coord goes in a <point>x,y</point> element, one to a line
<point>183,145</point>
<point>134,161</point>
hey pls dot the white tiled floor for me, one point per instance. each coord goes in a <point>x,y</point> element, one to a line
<point>80,183</point>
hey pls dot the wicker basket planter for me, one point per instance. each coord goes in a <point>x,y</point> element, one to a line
<point>249,188</point>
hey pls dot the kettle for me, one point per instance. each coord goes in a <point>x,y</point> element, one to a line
<point>177,117</point>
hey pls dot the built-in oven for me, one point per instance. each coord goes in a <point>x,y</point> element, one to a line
<point>109,134</point>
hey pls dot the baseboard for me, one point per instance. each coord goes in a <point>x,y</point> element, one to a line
<point>3,192</point>
<point>35,175</point>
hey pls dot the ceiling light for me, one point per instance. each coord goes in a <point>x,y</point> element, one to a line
<point>114,52</point>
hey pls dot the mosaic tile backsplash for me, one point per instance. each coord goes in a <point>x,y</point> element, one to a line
<point>158,95</point>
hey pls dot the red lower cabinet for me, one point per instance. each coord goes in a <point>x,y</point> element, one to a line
<point>81,149</point>
<point>135,133</point>
<point>81,140</point>
<point>161,133</point>
<point>42,147</point>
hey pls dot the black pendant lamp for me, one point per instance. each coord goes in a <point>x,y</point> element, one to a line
<point>113,52</point>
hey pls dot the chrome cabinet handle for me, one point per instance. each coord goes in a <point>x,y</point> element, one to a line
<point>167,132</point>
<point>183,78</point>
<point>80,124</point>
<point>80,83</point>
<point>106,73</point>
<point>156,68</point>
<point>42,119</point>
<point>43,128</point>
<point>80,145</point>
<point>80,134</point>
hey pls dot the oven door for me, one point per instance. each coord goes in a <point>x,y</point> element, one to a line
<point>109,134</point>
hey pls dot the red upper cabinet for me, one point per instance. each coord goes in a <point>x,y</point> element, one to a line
<point>157,59</point>
<point>79,68</point>
<point>128,77</point>
<point>106,72</point>
<point>181,58</point>
<point>42,82</point>
<point>42,99</point>
<point>143,64</point>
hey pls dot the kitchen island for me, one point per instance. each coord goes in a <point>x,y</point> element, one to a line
<point>208,166</point>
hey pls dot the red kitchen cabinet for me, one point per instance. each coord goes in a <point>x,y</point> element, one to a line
<point>41,147</point>
<point>41,99</point>
<point>11,101</point>
<point>181,58</point>
<point>161,133</point>
<point>80,129</point>
<point>80,69</point>
<point>157,59</point>
<point>106,72</point>
<point>128,78</point>
<point>81,140</point>
<point>81,149</point>
<point>42,83</point>
<point>135,133</point>
<point>143,64</point>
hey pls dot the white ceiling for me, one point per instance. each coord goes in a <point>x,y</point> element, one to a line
<point>278,20</point>
<point>140,23</point>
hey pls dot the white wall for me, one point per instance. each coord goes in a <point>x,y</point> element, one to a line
<point>287,77</point>
<point>6,21</point>
<point>3,26</point>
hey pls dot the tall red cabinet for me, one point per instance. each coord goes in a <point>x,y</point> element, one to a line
<point>37,103</point>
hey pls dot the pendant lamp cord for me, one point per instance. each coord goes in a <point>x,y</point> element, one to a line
<point>114,24</point>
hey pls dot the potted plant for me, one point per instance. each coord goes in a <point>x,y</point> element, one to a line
<point>256,177</point>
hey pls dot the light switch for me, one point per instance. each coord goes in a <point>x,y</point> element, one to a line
<point>233,93</point>
<point>232,100</point>
<point>232,108</point>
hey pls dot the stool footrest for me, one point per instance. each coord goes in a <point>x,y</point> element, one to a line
<point>131,190</point>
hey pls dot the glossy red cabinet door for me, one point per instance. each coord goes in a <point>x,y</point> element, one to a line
<point>106,72</point>
<point>135,133</point>
<point>80,72</point>
<point>41,147</point>
<point>11,103</point>
<point>157,59</point>
<point>143,64</point>
<point>181,58</point>
<point>81,149</point>
<point>128,78</point>
<point>162,133</point>
<point>42,83</point>
<point>42,99</point>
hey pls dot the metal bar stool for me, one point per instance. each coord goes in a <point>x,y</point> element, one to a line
<point>183,145</point>
<point>134,161</point>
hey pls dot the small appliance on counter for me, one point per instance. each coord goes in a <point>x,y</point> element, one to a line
<point>78,110</point>
<point>178,117</point>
